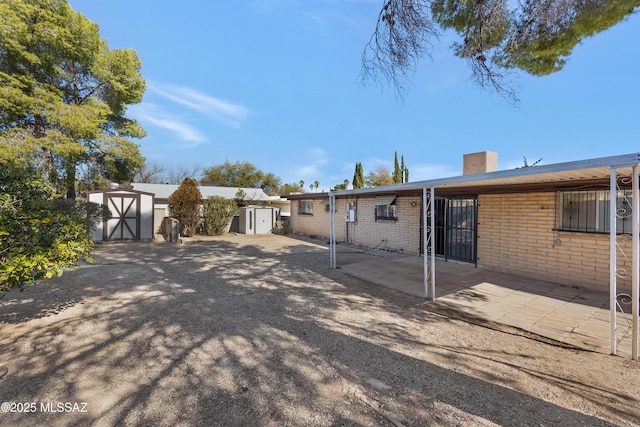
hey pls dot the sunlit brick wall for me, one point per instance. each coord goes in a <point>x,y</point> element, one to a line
<point>516,234</point>
<point>402,235</point>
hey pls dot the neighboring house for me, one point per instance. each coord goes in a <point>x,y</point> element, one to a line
<point>552,221</point>
<point>253,196</point>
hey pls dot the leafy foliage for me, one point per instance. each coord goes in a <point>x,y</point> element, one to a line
<point>496,36</point>
<point>341,187</point>
<point>218,213</point>
<point>291,188</point>
<point>65,93</point>
<point>39,236</point>
<point>184,205</point>
<point>243,175</point>
<point>379,176</point>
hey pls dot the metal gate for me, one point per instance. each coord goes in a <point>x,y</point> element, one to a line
<point>455,228</point>
<point>460,236</point>
<point>125,220</point>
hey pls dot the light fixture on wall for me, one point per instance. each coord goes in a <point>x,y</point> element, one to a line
<point>413,204</point>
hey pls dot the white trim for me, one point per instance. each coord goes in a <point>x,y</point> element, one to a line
<point>635,282</point>
<point>613,251</point>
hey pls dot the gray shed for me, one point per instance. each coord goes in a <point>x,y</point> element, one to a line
<point>131,215</point>
<point>257,219</point>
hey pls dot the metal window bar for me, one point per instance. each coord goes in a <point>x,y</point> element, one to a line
<point>386,212</point>
<point>590,211</point>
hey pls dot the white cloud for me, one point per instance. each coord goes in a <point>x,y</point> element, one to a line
<point>425,172</point>
<point>222,111</point>
<point>155,115</point>
<point>307,171</point>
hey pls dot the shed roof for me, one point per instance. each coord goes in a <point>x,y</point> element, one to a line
<point>163,191</point>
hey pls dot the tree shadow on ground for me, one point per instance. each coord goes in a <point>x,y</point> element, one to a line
<point>241,332</point>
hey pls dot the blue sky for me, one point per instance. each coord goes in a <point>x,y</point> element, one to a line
<point>276,83</point>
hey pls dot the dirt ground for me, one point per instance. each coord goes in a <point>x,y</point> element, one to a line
<point>258,331</point>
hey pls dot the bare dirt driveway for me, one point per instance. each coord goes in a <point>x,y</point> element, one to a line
<point>257,331</point>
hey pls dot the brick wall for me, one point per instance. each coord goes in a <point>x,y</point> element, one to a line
<point>315,224</point>
<point>402,235</point>
<point>515,234</point>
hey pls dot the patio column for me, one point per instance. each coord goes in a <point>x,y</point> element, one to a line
<point>635,283</point>
<point>332,231</point>
<point>613,259</point>
<point>428,243</point>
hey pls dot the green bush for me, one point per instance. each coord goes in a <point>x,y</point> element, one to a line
<point>38,238</point>
<point>218,213</point>
<point>184,205</point>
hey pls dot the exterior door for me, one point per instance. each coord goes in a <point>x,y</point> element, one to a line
<point>454,234</point>
<point>125,221</point>
<point>460,236</point>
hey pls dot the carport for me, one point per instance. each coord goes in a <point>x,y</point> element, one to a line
<point>607,170</point>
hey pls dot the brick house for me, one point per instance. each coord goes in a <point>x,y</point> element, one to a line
<point>550,221</point>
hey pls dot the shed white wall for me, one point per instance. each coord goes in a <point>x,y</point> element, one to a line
<point>96,229</point>
<point>146,217</point>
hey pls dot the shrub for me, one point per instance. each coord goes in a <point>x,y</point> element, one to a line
<point>184,205</point>
<point>38,238</point>
<point>218,213</point>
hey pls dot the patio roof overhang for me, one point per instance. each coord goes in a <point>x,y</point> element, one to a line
<point>535,178</point>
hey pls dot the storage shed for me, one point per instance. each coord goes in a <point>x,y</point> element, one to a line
<point>257,219</point>
<point>131,215</point>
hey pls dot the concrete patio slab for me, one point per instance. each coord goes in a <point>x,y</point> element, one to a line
<point>572,315</point>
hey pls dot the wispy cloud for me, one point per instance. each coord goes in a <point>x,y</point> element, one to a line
<point>155,115</point>
<point>429,171</point>
<point>225,112</point>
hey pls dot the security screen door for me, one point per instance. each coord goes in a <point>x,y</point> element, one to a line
<point>455,228</point>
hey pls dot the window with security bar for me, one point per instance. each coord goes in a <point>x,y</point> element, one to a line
<point>386,212</point>
<point>588,211</point>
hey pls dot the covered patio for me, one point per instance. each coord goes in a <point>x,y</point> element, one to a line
<point>543,306</point>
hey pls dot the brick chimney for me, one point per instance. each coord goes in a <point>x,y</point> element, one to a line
<point>482,162</point>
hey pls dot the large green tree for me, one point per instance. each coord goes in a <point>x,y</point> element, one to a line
<point>65,93</point>
<point>495,36</point>
<point>242,175</point>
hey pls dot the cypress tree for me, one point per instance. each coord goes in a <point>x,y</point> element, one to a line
<point>358,176</point>
<point>397,173</point>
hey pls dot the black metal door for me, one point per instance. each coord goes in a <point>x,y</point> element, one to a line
<point>454,231</point>
<point>460,224</point>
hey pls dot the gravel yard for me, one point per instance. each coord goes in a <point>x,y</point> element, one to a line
<point>258,331</point>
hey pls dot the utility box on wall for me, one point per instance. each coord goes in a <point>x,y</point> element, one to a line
<point>257,219</point>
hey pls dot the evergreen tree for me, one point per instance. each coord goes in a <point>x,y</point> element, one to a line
<point>496,37</point>
<point>358,176</point>
<point>184,205</point>
<point>397,173</point>
<point>65,93</point>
